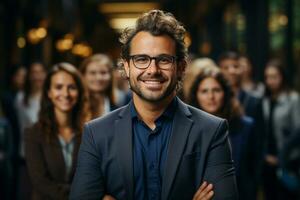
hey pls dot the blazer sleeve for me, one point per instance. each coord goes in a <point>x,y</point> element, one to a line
<point>219,166</point>
<point>88,182</point>
<point>37,169</point>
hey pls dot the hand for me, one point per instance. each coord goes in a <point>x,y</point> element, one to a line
<point>272,160</point>
<point>205,192</point>
<point>108,197</point>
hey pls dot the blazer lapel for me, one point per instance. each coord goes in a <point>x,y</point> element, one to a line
<point>123,134</point>
<point>56,151</point>
<point>181,129</point>
<point>74,155</point>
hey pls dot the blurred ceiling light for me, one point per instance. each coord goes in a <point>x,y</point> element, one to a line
<point>35,35</point>
<point>82,50</point>
<point>21,42</point>
<point>205,48</point>
<point>134,7</point>
<point>31,35</point>
<point>283,20</point>
<point>122,15</point>
<point>41,32</point>
<point>121,23</point>
<point>66,43</point>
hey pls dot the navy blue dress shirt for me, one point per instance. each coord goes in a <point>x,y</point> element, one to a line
<point>150,152</point>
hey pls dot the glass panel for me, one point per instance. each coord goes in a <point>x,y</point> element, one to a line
<point>277,25</point>
<point>234,27</point>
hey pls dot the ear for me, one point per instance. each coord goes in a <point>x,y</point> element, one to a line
<point>126,67</point>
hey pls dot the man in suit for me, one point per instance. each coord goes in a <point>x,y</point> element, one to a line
<point>156,147</point>
<point>252,106</point>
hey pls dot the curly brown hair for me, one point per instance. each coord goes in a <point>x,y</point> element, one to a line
<point>47,122</point>
<point>231,108</point>
<point>156,22</point>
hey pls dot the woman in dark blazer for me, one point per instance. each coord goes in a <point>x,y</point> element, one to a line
<point>211,92</point>
<point>52,144</point>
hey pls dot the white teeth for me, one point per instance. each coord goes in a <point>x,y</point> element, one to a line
<point>152,81</point>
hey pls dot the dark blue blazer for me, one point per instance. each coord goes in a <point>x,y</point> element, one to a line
<point>198,150</point>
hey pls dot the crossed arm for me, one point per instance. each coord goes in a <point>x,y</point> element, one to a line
<point>205,192</point>
<point>88,180</point>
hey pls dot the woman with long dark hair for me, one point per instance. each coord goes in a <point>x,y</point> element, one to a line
<point>212,93</point>
<point>28,100</point>
<point>51,145</point>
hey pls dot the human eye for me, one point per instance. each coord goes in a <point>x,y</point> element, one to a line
<point>58,86</point>
<point>203,91</point>
<point>92,72</point>
<point>165,59</point>
<point>141,59</point>
<point>72,87</point>
<point>217,90</point>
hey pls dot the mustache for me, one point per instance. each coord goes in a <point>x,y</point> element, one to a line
<point>156,77</point>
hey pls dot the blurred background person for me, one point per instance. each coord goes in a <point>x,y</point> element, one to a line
<point>289,159</point>
<point>97,72</point>
<point>281,106</point>
<point>15,81</point>
<point>192,71</point>
<point>211,92</point>
<point>52,144</point>
<point>229,65</point>
<point>27,106</point>
<point>6,159</point>
<point>252,106</point>
<point>123,92</point>
<point>28,100</point>
<point>15,85</point>
<point>248,83</point>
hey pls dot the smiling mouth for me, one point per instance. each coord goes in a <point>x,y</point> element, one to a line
<point>65,101</point>
<point>153,84</point>
<point>153,81</point>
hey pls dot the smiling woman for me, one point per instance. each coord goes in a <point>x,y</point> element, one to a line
<point>97,72</point>
<point>51,145</point>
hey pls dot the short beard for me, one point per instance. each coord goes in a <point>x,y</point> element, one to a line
<point>170,89</point>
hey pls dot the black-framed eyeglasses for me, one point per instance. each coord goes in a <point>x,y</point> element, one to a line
<point>142,61</point>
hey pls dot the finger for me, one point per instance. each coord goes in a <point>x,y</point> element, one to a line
<point>209,195</point>
<point>206,191</point>
<point>108,197</point>
<point>202,187</point>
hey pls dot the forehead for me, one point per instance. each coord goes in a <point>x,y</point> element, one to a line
<point>62,77</point>
<point>36,67</point>
<point>228,62</point>
<point>272,70</point>
<point>93,66</point>
<point>146,43</point>
<point>209,82</point>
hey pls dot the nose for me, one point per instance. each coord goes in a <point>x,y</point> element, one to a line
<point>66,92</point>
<point>231,69</point>
<point>153,68</point>
<point>210,94</point>
<point>98,76</point>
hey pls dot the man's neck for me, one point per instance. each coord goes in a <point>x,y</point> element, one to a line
<point>150,111</point>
